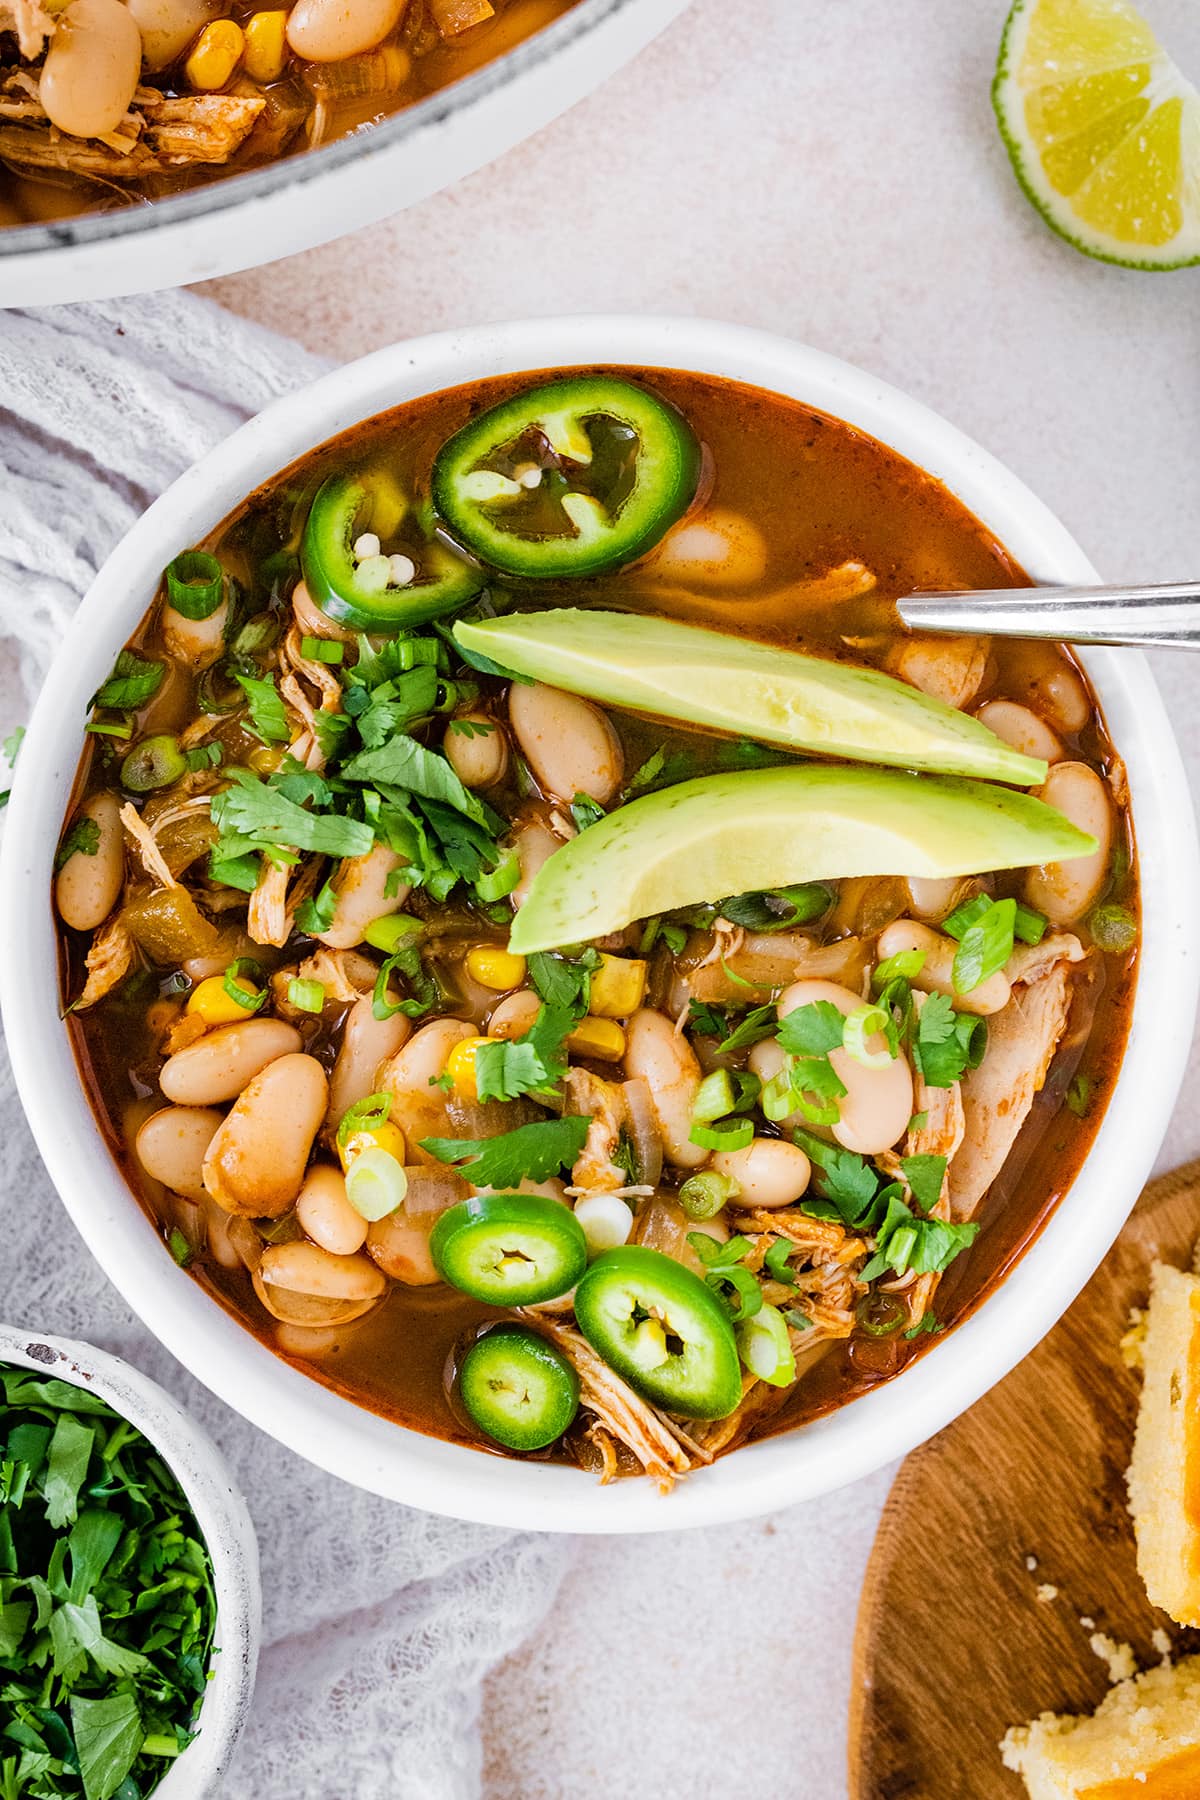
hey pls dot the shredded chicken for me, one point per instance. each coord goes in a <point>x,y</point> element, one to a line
<point>767,960</point>
<point>159,132</point>
<point>109,960</point>
<point>1029,962</point>
<point>595,1170</point>
<point>998,1095</point>
<point>273,905</point>
<point>33,25</point>
<point>146,845</point>
<point>656,1441</point>
<point>317,674</point>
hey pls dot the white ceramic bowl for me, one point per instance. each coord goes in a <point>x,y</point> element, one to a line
<point>224,1523</point>
<point>294,204</point>
<point>358,1445</point>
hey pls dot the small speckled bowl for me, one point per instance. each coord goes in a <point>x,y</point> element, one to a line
<point>224,1525</point>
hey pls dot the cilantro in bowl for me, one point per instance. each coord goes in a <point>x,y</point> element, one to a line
<point>107,1606</point>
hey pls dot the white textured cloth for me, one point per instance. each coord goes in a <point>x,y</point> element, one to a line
<point>380,1622</point>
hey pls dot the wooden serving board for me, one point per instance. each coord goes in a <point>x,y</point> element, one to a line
<point>953,1644</point>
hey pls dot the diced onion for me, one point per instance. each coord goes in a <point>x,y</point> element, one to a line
<point>643,1129</point>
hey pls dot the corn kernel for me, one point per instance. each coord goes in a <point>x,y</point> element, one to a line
<point>266,49</point>
<point>210,1002</point>
<point>494,968</point>
<point>384,1136</point>
<point>599,1038</point>
<point>617,987</point>
<point>217,53</point>
<point>460,1066</point>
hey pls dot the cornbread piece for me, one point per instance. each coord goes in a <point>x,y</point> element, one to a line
<point>1164,1476</point>
<point>1143,1743</point>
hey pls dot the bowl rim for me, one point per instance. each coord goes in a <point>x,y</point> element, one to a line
<point>219,1511</point>
<point>391,1459</point>
<point>208,201</point>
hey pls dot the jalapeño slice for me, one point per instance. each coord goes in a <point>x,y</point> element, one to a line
<point>660,1327</point>
<point>364,592</point>
<point>568,479</point>
<point>517,1388</point>
<point>509,1249</point>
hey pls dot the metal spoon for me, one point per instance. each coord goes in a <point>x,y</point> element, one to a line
<point>1168,616</point>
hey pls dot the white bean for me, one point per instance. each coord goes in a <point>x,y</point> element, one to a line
<point>307,1342</point>
<point>535,844</point>
<point>1021,728</point>
<point>221,1063</point>
<point>567,742</point>
<point>479,760</point>
<point>936,974</point>
<point>366,1043</point>
<point>88,887</point>
<point>301,1284</point>
<point>769,1171</point>
<point>401,1248</point>
<point>514,1015</point>
<point>420,1062</point>
<point>656,1054</point>
<point>874,1111</point>
<point>168,27</point>
<point>1065,891</point>
<point>365,891</point>
<point>331,30</point>
<point>717,548</point>
<point>1060,696</point>
<point>256,1162</point>
<point>949,669</point>
<point>172,1145</point>
<point>325,1214</point>
<point>197,642</point>
<point>92,68</point>
<point>931,897</point>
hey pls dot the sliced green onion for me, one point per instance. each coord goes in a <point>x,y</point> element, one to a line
<point>606,1221</point>
<point>179,1247</point>
<point>195,584</point>
<point>966,915</point>
<point>118,728</point>
<point>985,946</point>
<point>779,1100</point>
<point>323,650</point>
<point>1113,928</point>
<point>765,1347</point>
<point>881,1315</point>
<point>502,879</point>
<point>714,1097</point>
<point>722,1134</point>
<point>306,996</point>
<point>364,1115</point>
<point>1028,925</point>
<point>863,1023</point>
<point>900,1246</point>
<point>702,1196</point>
<point>155,762</point>
<point>388,933</point>
<point>906,965</point>
<point>375,1184</point>
<point>234,981</point>
<point>159,1743</point>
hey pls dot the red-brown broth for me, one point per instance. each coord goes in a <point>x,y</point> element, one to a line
<point>823,493</point>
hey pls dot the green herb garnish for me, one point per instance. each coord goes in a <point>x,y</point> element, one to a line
<point>530,1153</point>
<point>107,1606</point>
<point>534,1063</point>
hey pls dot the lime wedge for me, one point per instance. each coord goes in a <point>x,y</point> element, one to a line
<point>1103,130</point>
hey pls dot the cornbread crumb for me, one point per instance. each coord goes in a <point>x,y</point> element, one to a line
<point>1088,1623</point>
<point>1046,1593</point>
<point>1133,1341</point>
<point>1161,1642</point>
<point>1146,1728</point>
<point>1166,1449</point>
<point>1031,1563</point>
<point>1122,1664</point>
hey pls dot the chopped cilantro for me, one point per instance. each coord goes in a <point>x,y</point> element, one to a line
<point>947,1043</point>
<point>268,715</point>
<point>315,914</point>
<point>83,839</point>
<point>564,981</point>
<point>924,1175</point>
<point>530,1153</point>
<point>585,811</point>
<point>254,815</point>
<point>531,1064</point>
<point>812,1030</point>
<point>926,1323</point>
<point>133,681</point>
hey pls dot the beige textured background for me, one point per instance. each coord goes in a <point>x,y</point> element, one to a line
<point>830,171</point>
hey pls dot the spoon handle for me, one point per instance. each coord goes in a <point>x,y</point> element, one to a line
<point>1167,615</point>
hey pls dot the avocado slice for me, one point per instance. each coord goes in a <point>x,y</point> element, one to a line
<point>766,828</point>
<point>727,683</point>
